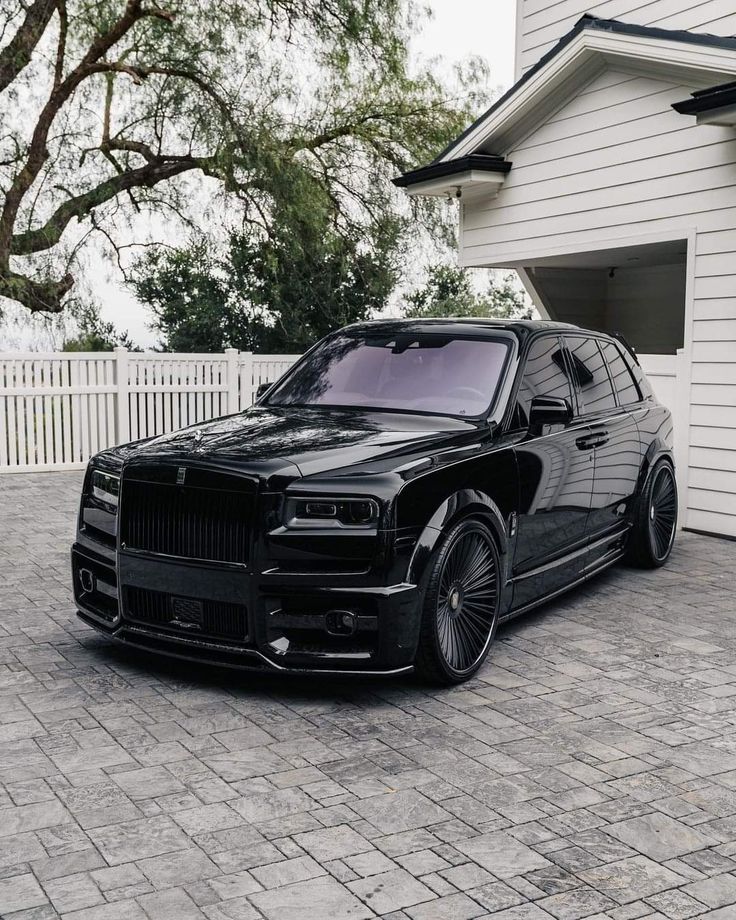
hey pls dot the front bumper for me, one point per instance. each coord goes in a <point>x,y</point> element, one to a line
<point>227,615</point>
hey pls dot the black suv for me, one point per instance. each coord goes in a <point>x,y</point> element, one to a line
<point>404,488</point>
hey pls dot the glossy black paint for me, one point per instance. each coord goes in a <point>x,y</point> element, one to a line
<point>558,498</point>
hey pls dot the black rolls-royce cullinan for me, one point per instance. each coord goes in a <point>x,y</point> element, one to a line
<point>405,487</point>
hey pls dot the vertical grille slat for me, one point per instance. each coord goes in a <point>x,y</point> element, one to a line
<point>209,522</point>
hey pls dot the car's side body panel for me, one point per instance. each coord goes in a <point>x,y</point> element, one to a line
<point>557,477</point>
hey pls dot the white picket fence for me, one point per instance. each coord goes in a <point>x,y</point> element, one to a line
<point>58,409</point>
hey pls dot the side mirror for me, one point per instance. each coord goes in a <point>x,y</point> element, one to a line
<point>263,388</point>
<point>549,410</point>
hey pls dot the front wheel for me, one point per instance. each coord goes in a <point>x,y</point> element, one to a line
<point>653,532</point>
<point>460,611</point>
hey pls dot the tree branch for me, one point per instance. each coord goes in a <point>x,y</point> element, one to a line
<point>91,63</point>
<point>17,53</point>
<point>43,238</point>
<point>205,86</point>
<point>121,143</point>
<point>37,296</point>
<point>61,48</point>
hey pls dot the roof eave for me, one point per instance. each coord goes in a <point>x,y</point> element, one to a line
<point>715,106</point>
<point>476,173</point>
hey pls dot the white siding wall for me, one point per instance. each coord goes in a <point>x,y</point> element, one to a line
<point>544,22</point>
<point>613,165</point>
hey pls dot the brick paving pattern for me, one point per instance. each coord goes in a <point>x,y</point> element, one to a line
<point>589,771</point>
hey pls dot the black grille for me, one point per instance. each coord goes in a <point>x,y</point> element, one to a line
<point>191,521</point>
<point>186,614</point>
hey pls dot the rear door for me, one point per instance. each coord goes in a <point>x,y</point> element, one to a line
<point>556,481</point>
<point>614,435</point>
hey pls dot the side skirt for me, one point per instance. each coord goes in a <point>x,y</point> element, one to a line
<point>606,563</point>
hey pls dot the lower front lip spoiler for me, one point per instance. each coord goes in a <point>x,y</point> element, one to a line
<point>247,659</point>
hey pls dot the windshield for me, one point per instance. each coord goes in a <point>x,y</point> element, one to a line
<point>425,372</point>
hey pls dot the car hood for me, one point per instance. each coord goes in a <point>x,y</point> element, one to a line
<point>313,440</point>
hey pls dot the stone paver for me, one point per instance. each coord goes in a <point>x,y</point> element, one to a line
<point>659,836</point>
<point>588,771</point>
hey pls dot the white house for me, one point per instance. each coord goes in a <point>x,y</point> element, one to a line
<point>606,177</point>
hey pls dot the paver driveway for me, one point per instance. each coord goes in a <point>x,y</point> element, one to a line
<point>589,770</point>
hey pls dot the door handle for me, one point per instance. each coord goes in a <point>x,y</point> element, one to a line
<point>590,441</point>
<point>599,437</point>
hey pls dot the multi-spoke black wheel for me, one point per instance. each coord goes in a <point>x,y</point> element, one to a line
<point>656,521</point>
<point>461,604</point>
<point>663,512</point>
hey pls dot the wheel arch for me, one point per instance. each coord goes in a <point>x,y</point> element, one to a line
<point>464,503</point>
<point>639,550</point>
<point>658,450</point>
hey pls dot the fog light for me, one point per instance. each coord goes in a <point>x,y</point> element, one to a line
<point>341,622</point>
<point>87,580</point>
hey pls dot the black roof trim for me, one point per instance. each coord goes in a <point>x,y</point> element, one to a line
<point>476,325</point>
<point>589,21</point>
<point>705,100</point>
<point>480,161</point>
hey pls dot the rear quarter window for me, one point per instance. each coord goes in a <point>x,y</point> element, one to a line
<point>593,385</point>
<point>627,388</point>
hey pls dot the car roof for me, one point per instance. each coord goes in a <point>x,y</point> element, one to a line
<point>522,328</point>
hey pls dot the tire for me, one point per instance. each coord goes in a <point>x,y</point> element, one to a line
<point>461,602</point>
<point>655,521</point>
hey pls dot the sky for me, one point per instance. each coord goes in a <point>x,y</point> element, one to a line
<point>486,28</point>
<point>458,29</point>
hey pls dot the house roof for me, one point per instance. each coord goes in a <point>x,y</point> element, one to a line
<point>706,100</point>
<point>593,23</point>
<point>583,52</point>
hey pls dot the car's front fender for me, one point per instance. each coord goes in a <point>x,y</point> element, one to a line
<point>463,503</point>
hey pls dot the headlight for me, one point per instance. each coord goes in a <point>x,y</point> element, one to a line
<point>331,511</point>
<point>105,487</point>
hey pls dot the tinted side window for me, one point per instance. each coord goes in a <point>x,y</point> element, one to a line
<point>544,375</point>
<point>594,390</point>
<point>623,381</point>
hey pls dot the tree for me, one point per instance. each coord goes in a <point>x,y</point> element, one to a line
<point>448,291</point>
<point>93,333</point>
<point>106,108</point>
<point>277,294</point>
<point>186,291</point>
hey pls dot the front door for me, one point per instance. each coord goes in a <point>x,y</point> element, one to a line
<point>556,482</point>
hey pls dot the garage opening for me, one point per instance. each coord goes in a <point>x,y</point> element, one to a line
<point>638,291</point>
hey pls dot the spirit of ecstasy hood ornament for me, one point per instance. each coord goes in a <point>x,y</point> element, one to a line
<point>198,442</point>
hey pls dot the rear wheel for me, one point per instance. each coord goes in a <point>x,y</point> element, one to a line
<point>656,520</point>
<point>460,611</point>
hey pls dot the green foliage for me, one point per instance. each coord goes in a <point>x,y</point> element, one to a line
<point>273,294</point>
<point>94,333</point>
<point>187,293</point>
<point>448,291</point>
